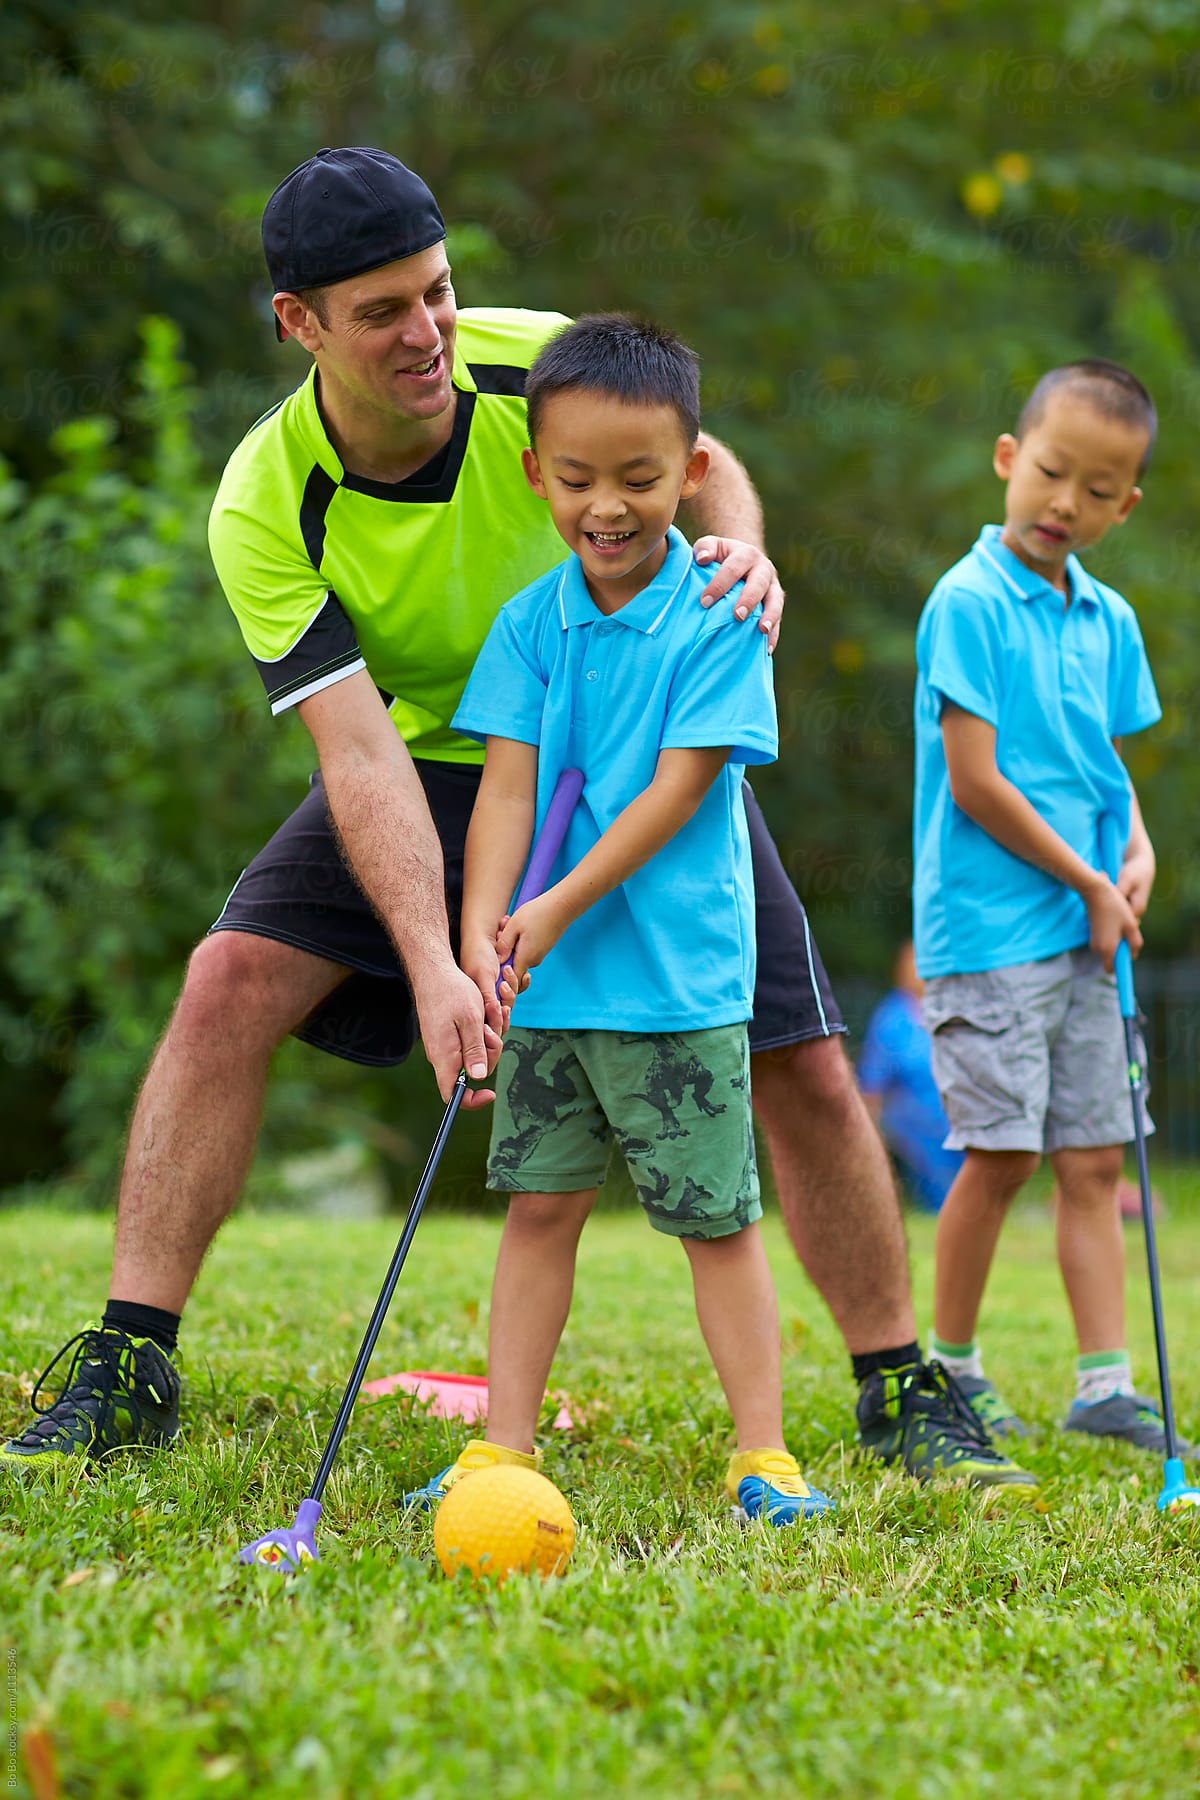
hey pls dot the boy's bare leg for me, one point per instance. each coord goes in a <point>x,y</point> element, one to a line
<point>968,1228</point>
<point>197,1117</point>
<point>1091,1247</point>
<point>836,1190</point>
<point>739,1317</point>
<point>531,1297</point>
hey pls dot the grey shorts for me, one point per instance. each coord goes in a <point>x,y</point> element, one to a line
<point>1031,1057</point>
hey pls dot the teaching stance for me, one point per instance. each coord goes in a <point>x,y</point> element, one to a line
<point>367,532</point>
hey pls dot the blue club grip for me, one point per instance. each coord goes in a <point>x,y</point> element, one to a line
<point>1110,860</point>
<point>1123,970</point>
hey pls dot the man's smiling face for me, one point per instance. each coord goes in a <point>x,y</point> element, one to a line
<point>388,342</point>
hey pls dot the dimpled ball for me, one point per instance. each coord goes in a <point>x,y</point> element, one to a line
<point>500,1519</point>
<point>1190,1498</point>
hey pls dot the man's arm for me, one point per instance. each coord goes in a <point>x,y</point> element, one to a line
<point>681,780</point>
<point>382,819</point>
<point>728,502</point>
<point>985,795</point>
<point>726,520</point>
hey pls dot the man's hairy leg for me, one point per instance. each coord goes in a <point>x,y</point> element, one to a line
<point>196,1120</point>
<point>836,1190</point>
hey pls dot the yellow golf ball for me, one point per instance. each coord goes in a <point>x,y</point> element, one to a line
<point>504,1518</point>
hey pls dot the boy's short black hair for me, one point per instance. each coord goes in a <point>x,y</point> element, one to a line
<point>628,358</point>
<point>1105,385</point>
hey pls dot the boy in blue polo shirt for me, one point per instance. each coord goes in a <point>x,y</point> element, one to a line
<point>634,1026</point>
<point>1029,672</point>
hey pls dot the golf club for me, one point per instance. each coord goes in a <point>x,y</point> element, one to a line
<point>289,1548</point>
<point>563,802</point>
<point>1176,1494</point>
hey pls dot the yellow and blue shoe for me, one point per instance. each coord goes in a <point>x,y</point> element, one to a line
<point>767,1484</point>
<point>476,1454</point>
<point>118,1392</point>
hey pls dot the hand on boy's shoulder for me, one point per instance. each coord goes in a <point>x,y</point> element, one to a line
<point>725,617</point>
<point>729,609</point>
<point>751,566</point>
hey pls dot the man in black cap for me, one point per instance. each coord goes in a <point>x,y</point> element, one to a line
<point>366,533</point>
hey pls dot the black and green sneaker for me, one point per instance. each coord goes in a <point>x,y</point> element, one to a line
<point>990,1406</point>
<point>118,1392</point>
<point>919,1416</point>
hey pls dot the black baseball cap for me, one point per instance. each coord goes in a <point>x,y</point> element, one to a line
<point>342,213</point>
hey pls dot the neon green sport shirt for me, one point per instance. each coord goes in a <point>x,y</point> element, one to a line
<point>328,573</point>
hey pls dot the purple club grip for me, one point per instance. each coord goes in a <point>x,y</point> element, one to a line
<point>563,802</point>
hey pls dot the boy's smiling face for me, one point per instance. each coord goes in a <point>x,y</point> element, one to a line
<point>1070,478</point>
<point>613,473</point>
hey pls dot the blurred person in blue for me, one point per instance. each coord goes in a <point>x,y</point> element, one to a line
<point>895,1073</point>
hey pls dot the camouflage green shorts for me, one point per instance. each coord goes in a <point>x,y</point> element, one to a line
<point>678,1105</point>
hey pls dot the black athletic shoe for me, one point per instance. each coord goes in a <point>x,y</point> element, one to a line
<point>118,1391</point>
<point>991,1407</point>
<point>919,1416</point>
<point>1126,1416</point>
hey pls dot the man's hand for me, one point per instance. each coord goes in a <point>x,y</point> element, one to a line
<point>740,562</point>
<point>455,1031</point>
<point>527,937</point>
<point>1137,878</point>
<point>1110,918</point>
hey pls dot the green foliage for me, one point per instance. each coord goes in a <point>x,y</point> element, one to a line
<point>918,1644</point>
<point>878,226</point>
<point>138,767</point>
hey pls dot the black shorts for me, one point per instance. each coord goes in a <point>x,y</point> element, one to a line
<point>299,890</point>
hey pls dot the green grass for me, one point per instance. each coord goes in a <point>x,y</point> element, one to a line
<point>924,1643</point>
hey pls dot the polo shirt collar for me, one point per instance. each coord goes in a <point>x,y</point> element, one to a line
<point>647,610</point>
<point>1022,582</point>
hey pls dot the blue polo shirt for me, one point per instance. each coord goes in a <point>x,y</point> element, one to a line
<point>671,949</point>
<point>1058,683</point>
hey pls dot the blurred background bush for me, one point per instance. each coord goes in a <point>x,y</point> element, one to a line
<point>877,224</point>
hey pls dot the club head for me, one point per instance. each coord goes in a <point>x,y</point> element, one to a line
<point>1176,1495</point>
<point>287,1549</point>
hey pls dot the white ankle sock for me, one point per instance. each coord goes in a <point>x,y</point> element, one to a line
<point>960,1359</point>
<point>1100,1374</point>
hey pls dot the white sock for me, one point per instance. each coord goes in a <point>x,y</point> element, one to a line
<point>960,1359</point>
<point>1100,1374</point>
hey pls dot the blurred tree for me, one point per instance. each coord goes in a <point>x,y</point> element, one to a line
<point>877,226</point>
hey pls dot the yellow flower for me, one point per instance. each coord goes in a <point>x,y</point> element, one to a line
<point>711,77</point>
<point>1013,167</point>
<point>981,194</point>
<point>847,655</point>
<point>771,79</point>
